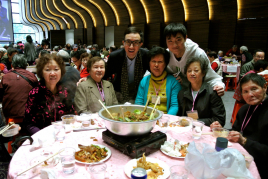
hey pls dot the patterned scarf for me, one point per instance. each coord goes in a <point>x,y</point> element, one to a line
<point>138,75</point>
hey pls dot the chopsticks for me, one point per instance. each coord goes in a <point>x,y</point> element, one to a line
<point>106,109</point>
<point>40,162</point>
<point>147,103</point>
<point>157,100</point>
<point>7,127</point>
<point>122,111</point>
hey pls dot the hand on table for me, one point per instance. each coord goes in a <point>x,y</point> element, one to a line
<point>219,89</point>
<point>236,137</point>
<point>215,124</point>
<point>81,80</point>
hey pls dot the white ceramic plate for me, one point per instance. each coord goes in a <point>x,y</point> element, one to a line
<point>133,163</point>
<point>109,153</point>
<point>169,155</point>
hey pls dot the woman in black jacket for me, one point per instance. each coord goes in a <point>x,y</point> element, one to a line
<point>200,98</point>
<point>251,125</point>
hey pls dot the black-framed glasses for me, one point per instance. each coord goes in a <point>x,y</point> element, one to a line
<point>129,42</point>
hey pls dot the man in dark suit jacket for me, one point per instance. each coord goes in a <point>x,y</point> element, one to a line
<point>128,65</point>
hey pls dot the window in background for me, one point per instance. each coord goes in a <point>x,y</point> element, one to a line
<point>20,31</point>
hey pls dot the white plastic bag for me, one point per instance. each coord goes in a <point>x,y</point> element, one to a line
<point>205,162</point>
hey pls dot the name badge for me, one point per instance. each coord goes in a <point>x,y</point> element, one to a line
<point>154,98</point>
<point>193,114</point>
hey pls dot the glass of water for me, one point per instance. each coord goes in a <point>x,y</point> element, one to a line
<point>197,129</point>
<point>86,119</point>
<point>68,160</point>
<point>178,172</point>
<point>59,131</point>
<point>98,171</point>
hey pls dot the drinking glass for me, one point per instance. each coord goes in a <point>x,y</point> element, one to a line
<point>197,129</point>
<point>98,171</point>
<point>163,122</point>
<point>86,119</point>
<point>68,160</point>
<point>178,172</point>
<point>59,131</point>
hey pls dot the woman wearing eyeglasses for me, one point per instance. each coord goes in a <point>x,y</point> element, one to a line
<point>159,83</point>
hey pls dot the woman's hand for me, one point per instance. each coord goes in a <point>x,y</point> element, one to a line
<point>215,124</point>
<point>81,80</point>
<point>219,89</point>
<point>236,137</point>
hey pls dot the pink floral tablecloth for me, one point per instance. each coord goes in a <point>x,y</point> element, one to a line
<point>224,69</point>
<point>115,165</point>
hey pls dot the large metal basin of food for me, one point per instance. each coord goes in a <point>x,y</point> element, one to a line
<point>129,128</point>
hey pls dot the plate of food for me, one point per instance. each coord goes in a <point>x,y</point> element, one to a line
<point>155,168</point>
<point>92,154</point>
<point>175,149</point>
<point>181,122</point>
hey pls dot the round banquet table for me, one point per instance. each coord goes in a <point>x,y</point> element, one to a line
<point>115,164</point>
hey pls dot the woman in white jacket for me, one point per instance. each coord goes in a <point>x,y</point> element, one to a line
<point>181,48</point>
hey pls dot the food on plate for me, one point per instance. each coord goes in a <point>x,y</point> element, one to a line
<point>135,116</point>
<point>90,154</point>
<point>155,169</point>
<point>176,148</point>
<point>181,123</point>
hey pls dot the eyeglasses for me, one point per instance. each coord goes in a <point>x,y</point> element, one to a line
<point>129,42</point>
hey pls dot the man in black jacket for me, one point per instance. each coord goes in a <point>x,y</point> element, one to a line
<point>128,65</point>
<point>7,59</point>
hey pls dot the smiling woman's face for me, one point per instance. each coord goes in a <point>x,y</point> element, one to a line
<point>52,73</point>
<point>97,71</point>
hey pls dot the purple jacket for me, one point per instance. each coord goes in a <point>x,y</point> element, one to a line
<point>43,107</point>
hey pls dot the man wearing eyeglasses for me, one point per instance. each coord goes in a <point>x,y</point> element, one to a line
<point>128,65</point>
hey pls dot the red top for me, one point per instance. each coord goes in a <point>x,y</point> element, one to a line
<point>84,73</point>
<point>214,66</point>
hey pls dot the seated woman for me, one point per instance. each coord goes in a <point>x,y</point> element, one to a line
<point>251,125</point>
<point>200,97</point>
<point>85,57</point>
<point>48,101</point>
<point>159,83</point>
<point>94,88</point>
<point>259,66</point>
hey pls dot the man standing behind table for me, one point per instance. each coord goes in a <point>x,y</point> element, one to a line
<point>258,55</point>
<point>128,64</point>
<point>181,48</point>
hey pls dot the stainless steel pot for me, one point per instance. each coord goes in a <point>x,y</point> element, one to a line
<point>129,128</point>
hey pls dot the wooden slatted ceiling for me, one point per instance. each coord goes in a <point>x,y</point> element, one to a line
<point>137,11</point>
<point>197,10</point>
<point>175,11</point>
<point>97,15</point>
<point>154,10</point>
<point>56,13</point>
<point>122,11</point>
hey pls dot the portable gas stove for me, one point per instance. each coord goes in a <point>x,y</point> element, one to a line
<point>137,145</point>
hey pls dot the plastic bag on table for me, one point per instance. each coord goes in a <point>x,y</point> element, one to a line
<point>205,162</point>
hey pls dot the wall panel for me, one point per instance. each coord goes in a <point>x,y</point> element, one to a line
<point>153,35</point>
<point>119,35</point>
<point>57,37</point>
<point>198,31</point>
<point>99,36</point>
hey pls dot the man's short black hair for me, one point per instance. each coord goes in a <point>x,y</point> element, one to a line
<point>11,50</point>
<point>133,30</point>
<point>81,52</point>
<point>260,64</point>
<point>157,51</point>
<point>76,55</point>
<point>113,48</point>
<point>213,54</point>
<point>255,78</point>
<point>258,50</point>
<point>173,29</point>
<point>43,52</point>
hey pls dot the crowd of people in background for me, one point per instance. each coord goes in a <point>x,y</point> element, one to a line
<point>71,79</point>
